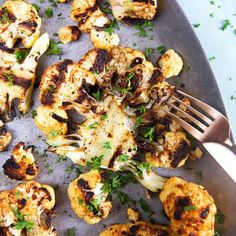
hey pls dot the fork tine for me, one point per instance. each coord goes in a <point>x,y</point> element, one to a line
<point>193,110</point>
<point>208,109</point>
<point>197,122</point>
<point>189,128</point>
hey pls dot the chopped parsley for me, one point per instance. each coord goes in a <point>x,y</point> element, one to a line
<point>196,25</point>
<point>149,134</point>
<point>161,49</point>
<point>130,75</point>
<point>104,117</point>
<point>212,58</point>
<point>54,133</point>
<point>146,208</point>
<point>69,169</point>
<point>93,206</point>
<point>142,109</point>
<point>37,7</point>
<point>93,125</point>
<point>144,166</point>
<point>190,208</point>
<point>212,2</point>
<point>123,158</point>
<point>61,158</point>
<point>95,162</point>
<point>220,217</point>
<point>124,90</point>
<point>97,95</point>
<point>139,120</point>
<point>217,233</point>
<point>148,52</point>
<point>53,48</point>
<point>110,29</point>
<point>107,145</point>
<point>48,12</point>
<point>5,17</point>
<point>10,79</point>
<point>147,25</point>
<point>49,168</point>
<point>115,182</point>
<point>55,34</point>
<point>34,113</point>
<point>225,24</point>
<point>70,232</point>
<point>20,55</point>
<point>211,15</point>
<point>21,222</point>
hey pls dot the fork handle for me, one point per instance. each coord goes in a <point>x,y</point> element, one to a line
<point>225,157</point>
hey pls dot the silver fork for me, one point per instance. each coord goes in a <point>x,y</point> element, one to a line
<point>208,126</point>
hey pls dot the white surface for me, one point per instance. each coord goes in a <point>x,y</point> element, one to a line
<point>217,43</point>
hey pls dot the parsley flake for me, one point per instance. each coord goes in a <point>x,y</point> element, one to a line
<point>21,222</point>
<point>93,125</point>
<point>225,25</point>
<point>70,232</point>
<point>48,12</point>
<point>190,208</point>
<point>148,52</point>
<point>147,25</point>
<point>161,49</point>
<point>53,48</point>
<point>107,145</point>
<point>110,29</point>
<point>95,162</point>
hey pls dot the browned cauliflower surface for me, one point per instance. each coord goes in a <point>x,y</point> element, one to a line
<point>21,165</point>
<point>189,206</point>
<point>88,201</point>
<point>26,210</point>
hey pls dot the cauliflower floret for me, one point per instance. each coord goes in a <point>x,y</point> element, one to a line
<point>88,15</point>
<point>21,165</point>
<point>170,63</point>
<point>68,34</point>
<point>189,206</point>
<point>88,201</point>
<point>19,19</point>
<point>103,40</point>
<point>29,206</point>
<point>133,215</point>
<point>5,137</point>
<point>140,228</point>
<point>172,150</point>
<point>131,11</point>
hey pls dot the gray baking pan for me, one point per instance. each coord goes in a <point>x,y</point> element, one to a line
<point>172,29</point>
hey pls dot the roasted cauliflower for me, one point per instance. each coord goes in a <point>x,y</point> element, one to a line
<point>17,79</point>
<point>170,63</point>
<point>132,11</point>
<point>26,210</point>
<point>68,34</point>
<point>103,40</point>
<point>189,206</point>
<point>140,228</point>
<point>88,201</point>
<point>5,137</point>
<point>18,20</point>
<point>88,15</point>
<point>21,165</point>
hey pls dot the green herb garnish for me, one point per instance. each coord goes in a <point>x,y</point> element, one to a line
<point>70,232</point>
<point>95,162</point>
<point>110,29</point>
<point>225,24</point>
<point>147,25</point>
<point>48,12</point>
<point>149,134</point>
<point>196,25</point>
<point>220,217</point>
<point>148,52</point>
<point>21,222</point>
<point>93,125</point>
<point>37,7</point>
<point>107,145</point>
<point>190,208</point>
<point>123,158</point>
<point>53,48</point>
<point>161,49</point>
